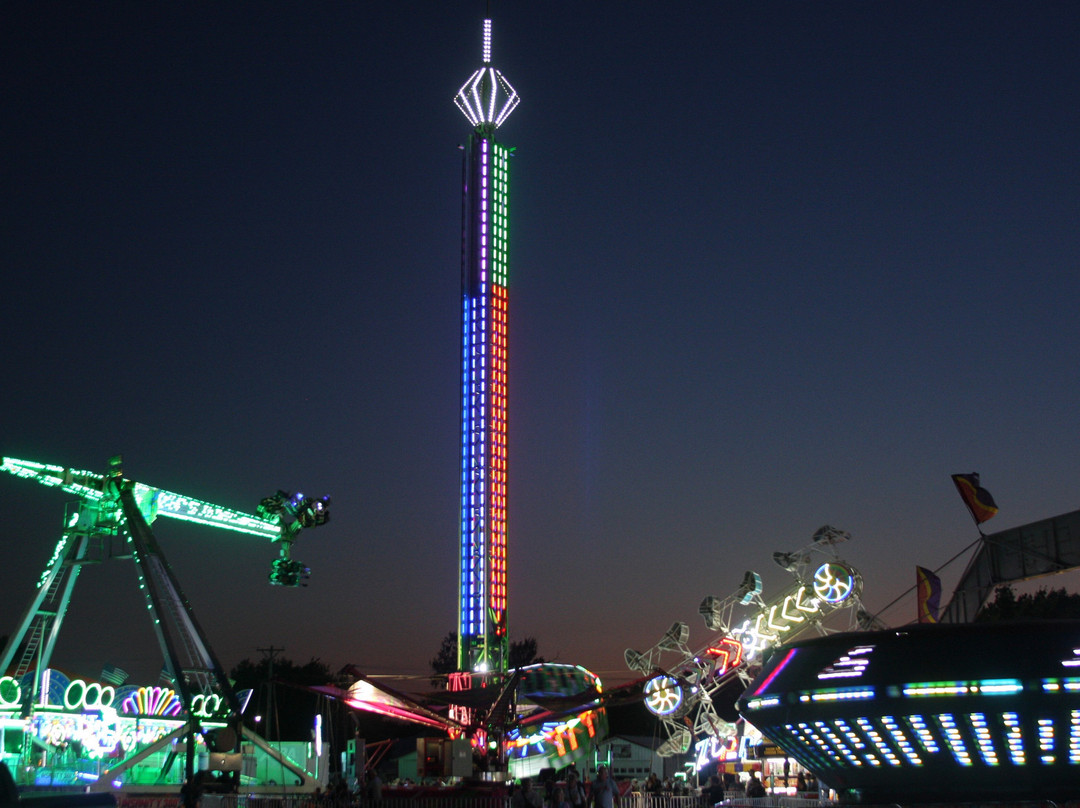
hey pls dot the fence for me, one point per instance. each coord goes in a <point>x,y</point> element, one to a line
<point>453,798</point>
<point>660,801</point>
<point>776,801</point>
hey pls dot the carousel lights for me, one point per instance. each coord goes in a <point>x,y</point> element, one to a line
<point>86,484</point>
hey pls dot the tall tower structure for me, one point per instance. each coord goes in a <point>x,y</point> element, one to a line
<point>486,99</point>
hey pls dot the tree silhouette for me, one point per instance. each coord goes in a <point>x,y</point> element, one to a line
<point>1044,604</point>
<point>446,660</point>
<point>523,652</point>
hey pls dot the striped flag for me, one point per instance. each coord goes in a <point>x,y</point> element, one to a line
<point>113,675</point>
<point>977,498</point>
<point>928,595</point>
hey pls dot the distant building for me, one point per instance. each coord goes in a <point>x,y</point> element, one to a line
<point>634,757</point>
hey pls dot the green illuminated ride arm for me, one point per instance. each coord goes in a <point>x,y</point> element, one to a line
<point>280,518</point>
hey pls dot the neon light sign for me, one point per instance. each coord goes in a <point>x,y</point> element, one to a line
<point>208,705</point>
<point>152,701</point>
<point>10,692</point>
<point>81,695</point>
<point>725,746</point>
<point>456,683</point>
<point>98,736</point>
<point>730,651</point>
<point>832,585</point>
<point>716,748</point>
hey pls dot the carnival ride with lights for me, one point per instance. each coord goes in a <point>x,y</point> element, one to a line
<point>108,736</point>
<point>930,712</point>
<point>947,712</point>
<point>544,715</point>
<point>514,720</point>
<point>684,693</point>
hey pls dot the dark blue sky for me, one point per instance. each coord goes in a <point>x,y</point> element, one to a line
<point>773,265</point>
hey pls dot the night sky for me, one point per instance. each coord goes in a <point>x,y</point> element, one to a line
<point>774,265</point>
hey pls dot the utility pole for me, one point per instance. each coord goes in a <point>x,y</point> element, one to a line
<point>269,654</point>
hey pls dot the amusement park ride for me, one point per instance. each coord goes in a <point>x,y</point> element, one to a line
<point>557,713</point>
<point>945,710</point>
<point>110,519</point>
<point>683,693</point>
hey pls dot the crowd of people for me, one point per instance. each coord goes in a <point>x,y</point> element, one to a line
<point>569,792</point>
<point>368,793</point>
<point>569,789</point>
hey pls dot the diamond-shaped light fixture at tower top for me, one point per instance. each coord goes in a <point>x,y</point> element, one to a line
<point>487,97</point>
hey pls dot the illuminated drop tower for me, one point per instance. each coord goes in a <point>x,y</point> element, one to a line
<point>486,99</point>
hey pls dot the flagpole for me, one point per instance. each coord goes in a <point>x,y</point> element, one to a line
<point>911,589</point>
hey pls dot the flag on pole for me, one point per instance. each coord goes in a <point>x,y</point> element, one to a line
<point>113,675</point>
<point>928,595</point>
<point>977,499</point>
